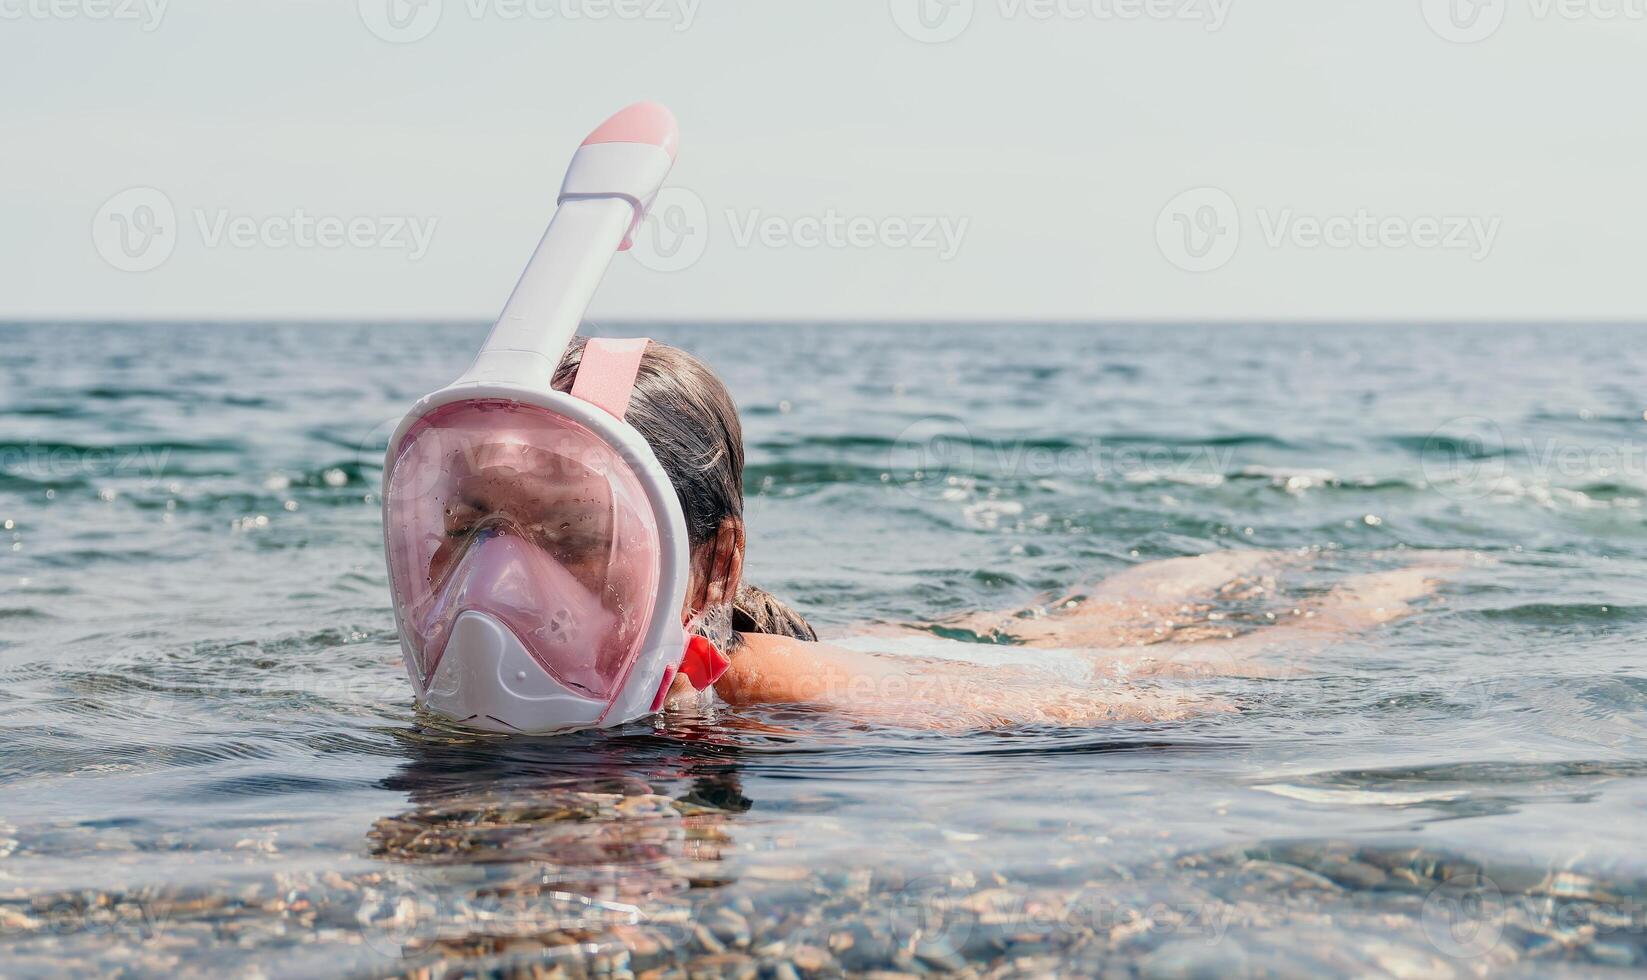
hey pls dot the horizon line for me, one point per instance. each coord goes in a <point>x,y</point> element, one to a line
<point>899,322</point>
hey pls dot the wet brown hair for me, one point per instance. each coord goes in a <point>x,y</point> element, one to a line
<point>687,416</point>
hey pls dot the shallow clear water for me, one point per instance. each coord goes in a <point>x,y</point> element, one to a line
<point>209,762</point>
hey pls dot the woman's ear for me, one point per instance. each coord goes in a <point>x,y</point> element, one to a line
<point>717,569</point>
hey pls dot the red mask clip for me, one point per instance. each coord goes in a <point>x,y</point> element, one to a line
<point>703,665</point>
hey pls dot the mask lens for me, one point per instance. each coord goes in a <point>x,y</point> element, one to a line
<point>513,511</point>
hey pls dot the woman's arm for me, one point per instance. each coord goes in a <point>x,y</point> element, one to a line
<point>1153,602</point>
<point>1111,632</point>
<point>1177,601</point>
<point>928,694</point>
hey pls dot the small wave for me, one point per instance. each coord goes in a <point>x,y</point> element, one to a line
<point>81,450</point>
<point>1234,440</point>
<point>987,514</point>
<point>1607,490</point>
<point>1294,481</point>
<point>52,753</point>
<point>1441,445</point>
<point>15,614</point>
<point>277,784</point>
<point>1147,478</point>
<point>1412,779</point>
<point>1356,797</point>
<point>58,412</point>
<point>788,477</point>
<point>329,476</point>
<point>839,441</point>
<point>1565,613</point>
<point>134,393</point>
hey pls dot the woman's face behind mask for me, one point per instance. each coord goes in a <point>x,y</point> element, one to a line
<point>556,503</point>
<point>526,516</point>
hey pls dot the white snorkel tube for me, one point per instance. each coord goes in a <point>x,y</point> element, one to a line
<point>608,191</point>
<point>537,552</point>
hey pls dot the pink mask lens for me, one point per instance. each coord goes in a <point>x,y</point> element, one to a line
<point>528,517</point>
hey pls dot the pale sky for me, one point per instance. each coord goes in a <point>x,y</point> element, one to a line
<point>1344,158</point>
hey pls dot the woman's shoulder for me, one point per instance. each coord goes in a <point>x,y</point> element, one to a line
<point>770,644</point>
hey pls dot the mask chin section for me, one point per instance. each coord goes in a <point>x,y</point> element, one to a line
<point>487,681</point>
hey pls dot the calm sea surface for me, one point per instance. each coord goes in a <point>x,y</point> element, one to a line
<point>210,765</point>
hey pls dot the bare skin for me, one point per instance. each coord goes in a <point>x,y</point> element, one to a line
<point>1147,624</point>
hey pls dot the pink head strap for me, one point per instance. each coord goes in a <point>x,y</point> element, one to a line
<point>606,374</point>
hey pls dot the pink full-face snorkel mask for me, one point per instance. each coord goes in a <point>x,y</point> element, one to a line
<point>538,558</point>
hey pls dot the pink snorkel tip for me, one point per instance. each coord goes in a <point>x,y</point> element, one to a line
<point>643,122</point>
